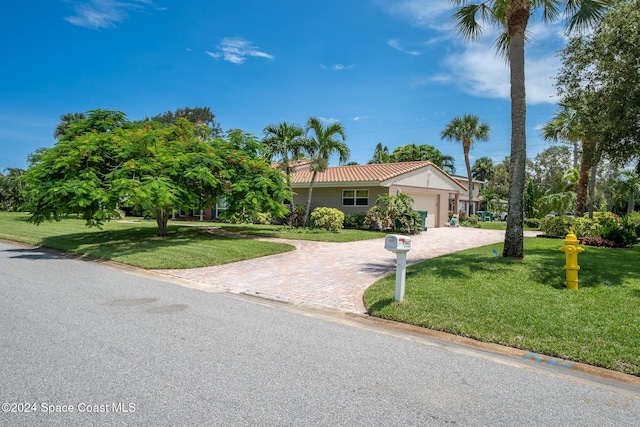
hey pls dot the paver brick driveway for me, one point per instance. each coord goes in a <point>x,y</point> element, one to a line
<point>329,275</point>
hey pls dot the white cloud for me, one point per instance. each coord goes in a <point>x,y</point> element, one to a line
<point>328,121</point>
<point>105,13</point>
<point>236,50</point>
<point>395,43</point>
<point>422,13</point>
<point>475,67</point>
<point>358,118</point>
<point>338,67</point>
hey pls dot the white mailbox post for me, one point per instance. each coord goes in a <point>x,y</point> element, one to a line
<point>400,245</point>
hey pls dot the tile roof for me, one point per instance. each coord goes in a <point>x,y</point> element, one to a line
<point>360,173</point>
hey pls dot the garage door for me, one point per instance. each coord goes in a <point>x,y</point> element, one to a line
<point>426,203</point>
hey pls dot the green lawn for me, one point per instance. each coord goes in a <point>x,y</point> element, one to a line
<point>524,304</point>
<point>498,225</point>
<point>282,232</point>
<point>136,243</point>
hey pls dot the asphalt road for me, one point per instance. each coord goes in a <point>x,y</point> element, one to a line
<point>83,343</point>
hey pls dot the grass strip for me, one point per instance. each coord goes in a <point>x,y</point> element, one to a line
<point>135,243</point>
<point>524,304</point>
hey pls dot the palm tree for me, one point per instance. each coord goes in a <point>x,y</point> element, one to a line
<point>628,184</point>
<point>380,155</point>
<point>284,142</point>
<point>66,120</point>
<point>466,129</point>
<point>567,125</point>
<point>483,169</point>
<point>322,144</point>
<point>512,16</point>
<point>414,153</point>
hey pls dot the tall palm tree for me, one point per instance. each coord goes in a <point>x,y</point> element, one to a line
<point>284,142</point>
<point>512,16</point>
<point>568,125</point>
<point>323,142</point>
<point>466,129</point>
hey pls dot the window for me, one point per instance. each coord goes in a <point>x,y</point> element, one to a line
<point>355,197</point>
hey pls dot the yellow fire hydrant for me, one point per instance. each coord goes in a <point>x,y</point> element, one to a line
<point>571,250</point>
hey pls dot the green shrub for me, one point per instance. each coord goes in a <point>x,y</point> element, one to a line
<point>472,220</point>
<point>635,220</point>
<point>585,227</point>
<point>462,216</point>
<point>355,221</point>
<point>532,222</point>
<point>329,219</point>
<point>622,232</point>
<point>264,218</point>
<point>556,226</point>
<point>394,213</point>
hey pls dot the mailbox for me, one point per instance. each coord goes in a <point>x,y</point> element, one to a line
<point>397,243</point>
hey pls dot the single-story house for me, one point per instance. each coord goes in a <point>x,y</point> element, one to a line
<point>356,188</point>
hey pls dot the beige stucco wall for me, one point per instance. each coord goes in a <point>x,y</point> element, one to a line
<point>332,197</point>
<point>433,201</point>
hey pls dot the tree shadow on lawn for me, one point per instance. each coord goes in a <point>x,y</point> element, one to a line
<point>109,244</point>
<point>606,267</point>
<point>598,267</point>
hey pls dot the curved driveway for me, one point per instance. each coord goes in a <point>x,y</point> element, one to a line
<point>329,275</point>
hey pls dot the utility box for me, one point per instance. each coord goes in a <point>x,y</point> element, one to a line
<point>397,243</point>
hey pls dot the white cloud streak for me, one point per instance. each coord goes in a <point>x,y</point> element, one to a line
<point>236,50</point>
<point>98,14</point>
<point>338,67</point>
<point>474,67</point>
<point>358,118</point>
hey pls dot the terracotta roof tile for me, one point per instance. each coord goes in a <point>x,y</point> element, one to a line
<point>360,173</point>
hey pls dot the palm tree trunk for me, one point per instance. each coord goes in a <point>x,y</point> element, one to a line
<point>592,188</point>
<point>514,235</point>
<point>470,207</point>
<point>308,208</point>
<point>583,181</point>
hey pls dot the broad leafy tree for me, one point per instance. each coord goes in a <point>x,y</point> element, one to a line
<point>65,121</point>
<point>12,187</point>
<point>283,144</point>
<point>601,71</point>
<point>549,166</point>
<point>196,115</point>
<point>104,162</point>
<point>320,144</point>
<point>466,129</point>
<point>512,17</point>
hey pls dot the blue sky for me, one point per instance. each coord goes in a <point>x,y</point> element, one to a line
<point>391,71</point>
